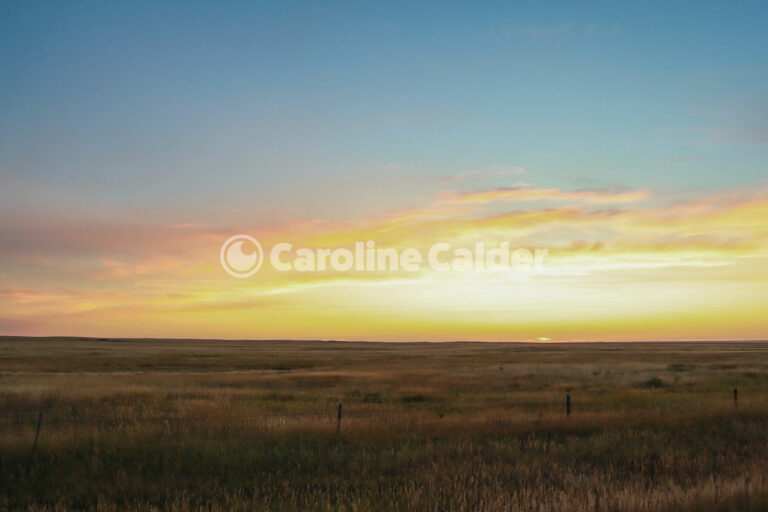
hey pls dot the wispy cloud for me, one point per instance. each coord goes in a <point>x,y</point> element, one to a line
<point>165,278</point>
<point>515,194</point>
<point>545,31</point>
<point>486,173</point>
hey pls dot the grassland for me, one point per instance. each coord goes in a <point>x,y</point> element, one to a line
<point>227,425</point>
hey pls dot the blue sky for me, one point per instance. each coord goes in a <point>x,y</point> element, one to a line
<point>629,140</point>
<point>334,108</point>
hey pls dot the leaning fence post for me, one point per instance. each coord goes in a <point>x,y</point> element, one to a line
<point>567,405</point>
<point>338,421</point>
<point>37,432</point>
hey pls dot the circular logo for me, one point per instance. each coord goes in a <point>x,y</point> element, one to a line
<point>236,261</point>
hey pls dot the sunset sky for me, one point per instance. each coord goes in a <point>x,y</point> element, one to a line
<point>630,140</point>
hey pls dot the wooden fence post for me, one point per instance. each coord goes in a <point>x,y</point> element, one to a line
<point>735,397</point>
<point>37,432</point>
<point>338,421</point>
<point>567,405</point>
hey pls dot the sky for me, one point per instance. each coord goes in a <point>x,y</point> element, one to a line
<point>629,140</point>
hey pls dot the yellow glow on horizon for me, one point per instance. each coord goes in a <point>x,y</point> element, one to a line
<point>680,271</point>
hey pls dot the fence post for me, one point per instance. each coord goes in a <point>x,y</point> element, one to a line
<point>735,397</point>
<point>37,432</point>
<point>567,405</point>
<point>338,421</point>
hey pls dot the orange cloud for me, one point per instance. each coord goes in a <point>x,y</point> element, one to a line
<point>619,267</point>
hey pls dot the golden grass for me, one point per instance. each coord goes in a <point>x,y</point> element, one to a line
<point>224,425</point>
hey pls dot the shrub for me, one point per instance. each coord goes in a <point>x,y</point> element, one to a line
<point>653,383</point>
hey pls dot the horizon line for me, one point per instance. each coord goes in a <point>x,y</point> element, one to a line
<point>5,337</point>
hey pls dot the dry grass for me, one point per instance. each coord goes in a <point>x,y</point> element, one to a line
<point>214,425</point>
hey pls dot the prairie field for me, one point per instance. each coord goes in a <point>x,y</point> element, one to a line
<point>253,425</point>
